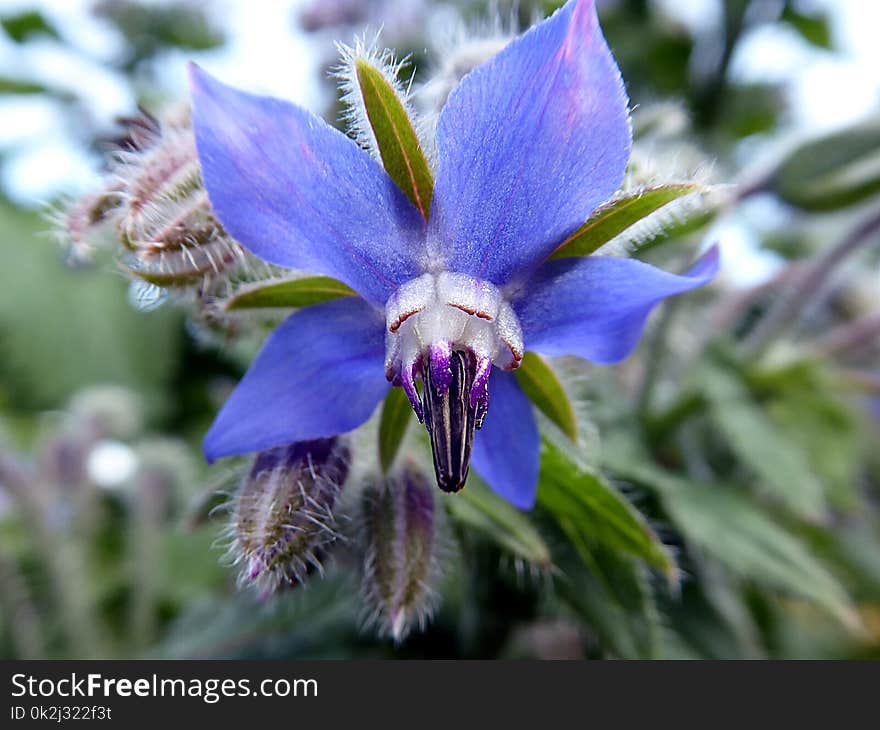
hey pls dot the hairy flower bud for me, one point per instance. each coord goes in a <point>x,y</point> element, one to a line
<point>283,515</point>
<point>77,224</point>
<point>157,207</point>
<point>165,220</point>
<point>400,556</point>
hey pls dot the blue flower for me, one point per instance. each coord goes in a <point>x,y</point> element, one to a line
<point>529,144</point>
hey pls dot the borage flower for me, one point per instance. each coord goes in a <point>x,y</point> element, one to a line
<point>454,290</point>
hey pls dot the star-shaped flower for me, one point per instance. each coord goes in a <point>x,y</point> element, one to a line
<point>453,290</point>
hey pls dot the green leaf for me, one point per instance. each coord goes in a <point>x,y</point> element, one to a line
<point>396,415</point>
<point>398,143</point>
<point>23,26</point>
<point>612,219</point>
<point>711,614</point>
<point>14,86</point>
<point>803,398</point>
<point>542,386</point>
<point>832,172</point>
<point>480,509</point>
<point>813,28</point>
<point>721,522</point>
<point>301,292</point>
<point>751,108</point>
<point>781,465</point>
<point>591,512</point>
<point>151,28</point>
<point>804,401</point>
<point>613,595</point>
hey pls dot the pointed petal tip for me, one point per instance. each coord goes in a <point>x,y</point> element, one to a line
<point>197,76</point>
<point>208,455</point>
<point>215,442</point>
<point>595,307</point>
<point>524,502</point>
<point>708,265</point>
<point>498,212</point>
<point>298,193</point>
<point>583,13</point>
<point>210,449</point>
<point>205,85</point>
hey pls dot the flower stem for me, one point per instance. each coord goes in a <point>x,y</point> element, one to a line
<point>849,337</point>
<point>791,304</point>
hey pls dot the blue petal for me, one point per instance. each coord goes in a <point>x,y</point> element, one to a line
<point>595,307</point>
<point>529,144</point>
<point>300,194</point>
<point>319,374</point>
<point>507,448</point>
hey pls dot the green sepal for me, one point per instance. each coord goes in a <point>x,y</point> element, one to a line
<point>615,217</point>
<point>542,386</point>
<point>302,292</point>
<point>393,423</point>
<point>396,138</point>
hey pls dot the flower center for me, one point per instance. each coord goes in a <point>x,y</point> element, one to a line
<point>448,330</point>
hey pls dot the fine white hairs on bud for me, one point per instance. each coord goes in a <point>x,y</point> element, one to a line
<point>77,221</point>
<point>401,545</point>
<point>282,517</point>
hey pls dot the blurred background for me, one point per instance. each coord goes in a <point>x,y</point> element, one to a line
<point>742,435</point>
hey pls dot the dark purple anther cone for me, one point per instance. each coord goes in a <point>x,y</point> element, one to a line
<point>451,417</point>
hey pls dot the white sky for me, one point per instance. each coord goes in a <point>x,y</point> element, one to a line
<point>266,53</point>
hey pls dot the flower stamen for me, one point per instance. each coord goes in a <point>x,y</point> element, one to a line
<point>449,329</point>
<point>451,419</point>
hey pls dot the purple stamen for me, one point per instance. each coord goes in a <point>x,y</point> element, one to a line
<point>451,420</point>
<point>407,376</point>
<point>480,389</point>
<point>440,360</point>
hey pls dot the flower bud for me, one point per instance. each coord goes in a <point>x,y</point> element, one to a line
<point>165,220</point>
<point>400,556</point>
<point>79,224</point>
<point>460,49</point>
<point>155,205</point>
<point>283,515</point>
